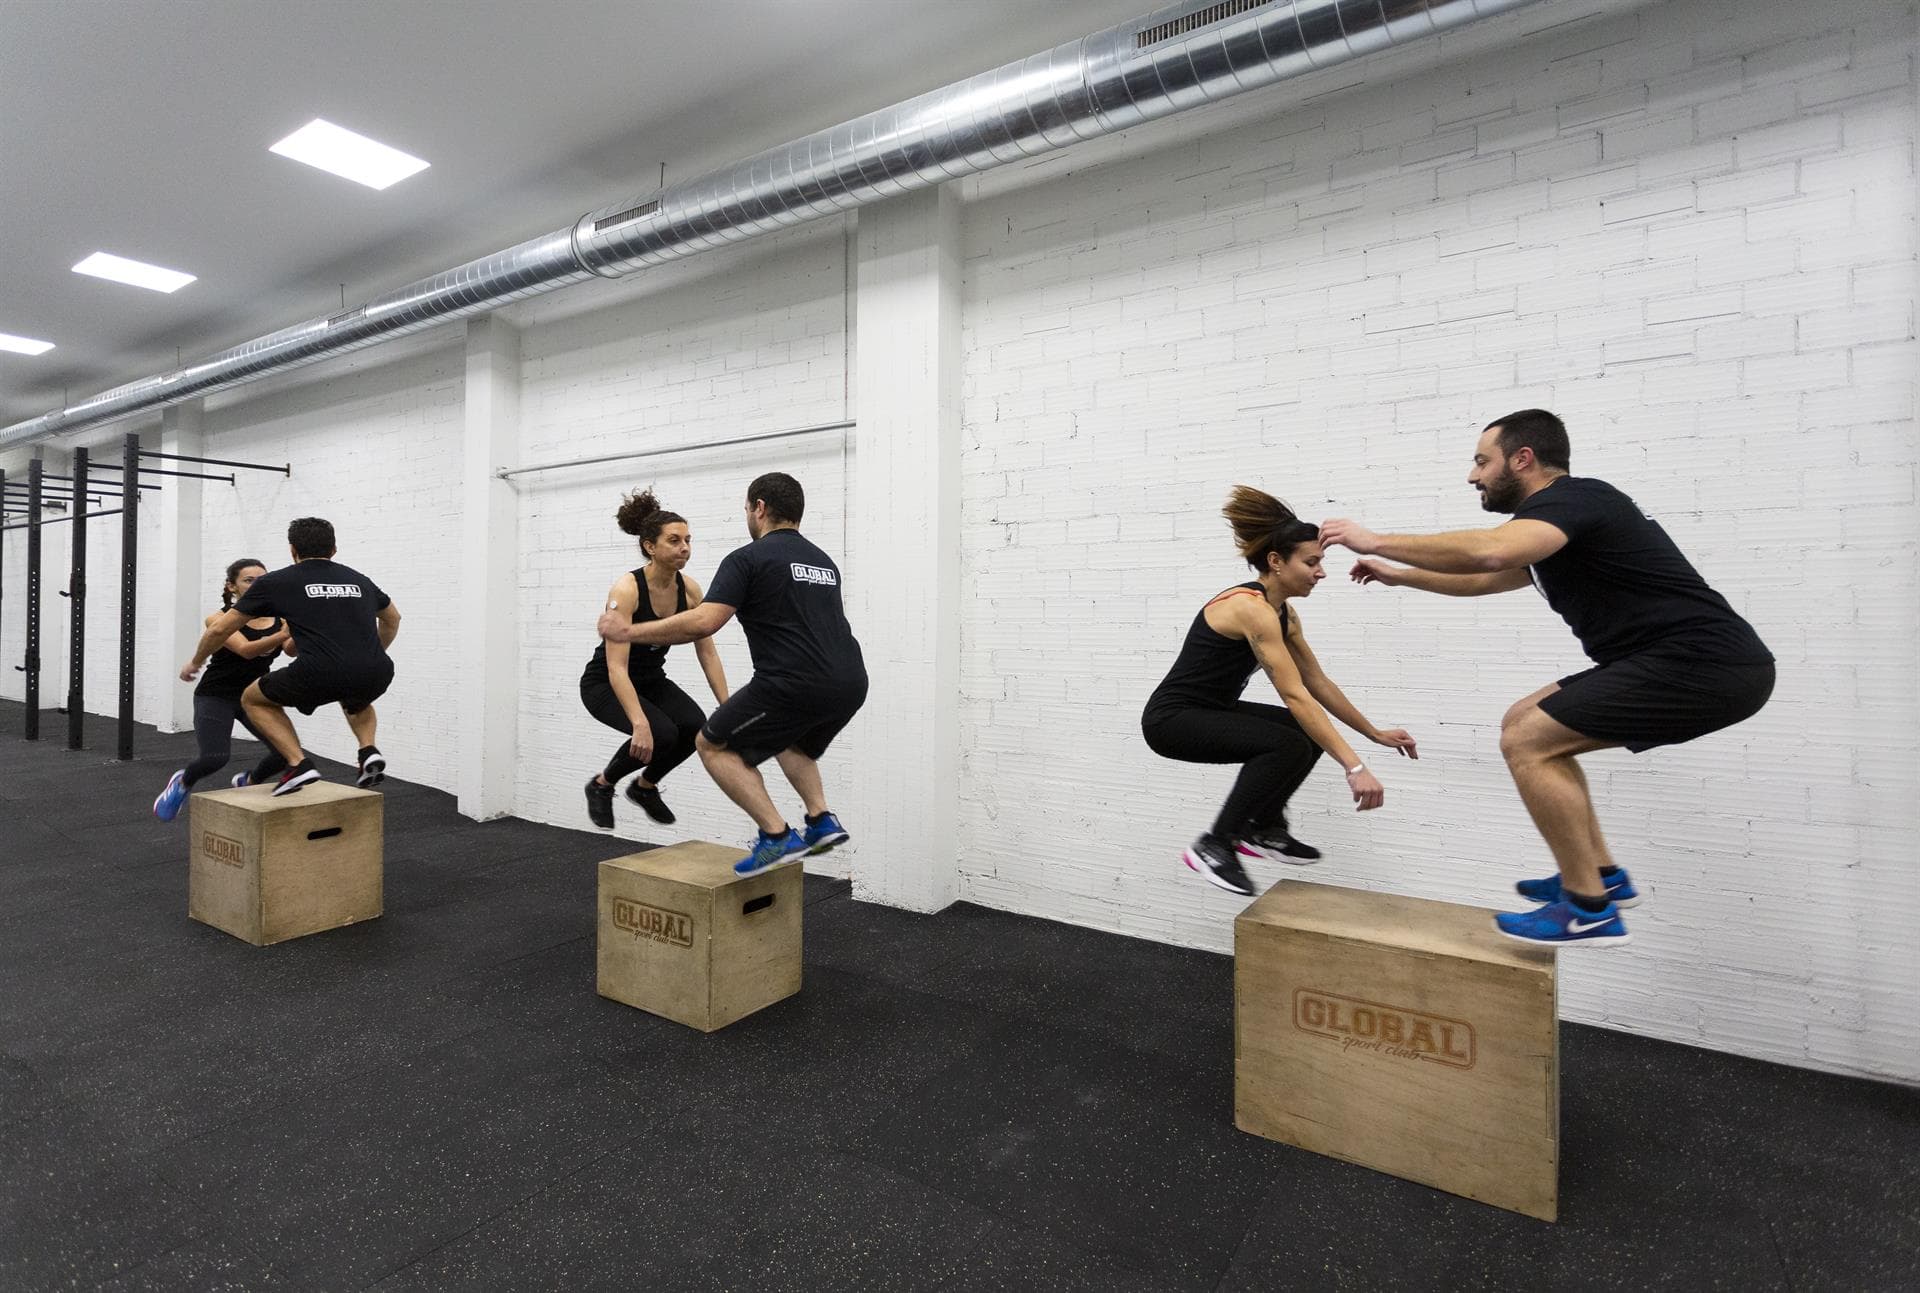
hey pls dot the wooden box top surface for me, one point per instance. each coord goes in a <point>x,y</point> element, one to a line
<point>261,799</point>
<point>699,863</point>
<point>1416,924</point>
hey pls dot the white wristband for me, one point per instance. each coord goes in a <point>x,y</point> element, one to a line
<point>1358,767</point>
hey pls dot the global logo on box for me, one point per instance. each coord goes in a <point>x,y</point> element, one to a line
<point>1383,1029</point>
<point>656,923</point>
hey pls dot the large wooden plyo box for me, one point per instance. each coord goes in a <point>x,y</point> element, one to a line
<point>1404,1035</point>
<point>682,936</point>
<point>267,869</point>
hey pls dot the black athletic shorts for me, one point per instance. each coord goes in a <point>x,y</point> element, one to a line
<point>1659,699</point>
<point>770,715</point>
<point>307,687</point>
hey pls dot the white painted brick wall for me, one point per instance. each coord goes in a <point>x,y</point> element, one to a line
<point>741,342</point>
<point>375,448</point>
<point>1689,229</point>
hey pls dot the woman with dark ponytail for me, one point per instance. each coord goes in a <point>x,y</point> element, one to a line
<point>247,654</point>
<point>626,686</point>
<point>1196,714</point>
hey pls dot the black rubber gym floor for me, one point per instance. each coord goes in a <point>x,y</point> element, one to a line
<point>437,1099</point>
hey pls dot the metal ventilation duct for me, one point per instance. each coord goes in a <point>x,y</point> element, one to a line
<point>1166,62</point>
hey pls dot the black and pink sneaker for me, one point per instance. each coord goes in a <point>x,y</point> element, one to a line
<point>1217,861</point>
<point>298,777</point>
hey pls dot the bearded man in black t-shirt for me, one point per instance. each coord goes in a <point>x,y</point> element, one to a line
<point>342,625</point>
<point>808,675</point>
<point>1672,660</point>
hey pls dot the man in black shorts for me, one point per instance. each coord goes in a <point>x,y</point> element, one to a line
<point>808,675</point>
<point>1673,661</point>
<point>342,625</point>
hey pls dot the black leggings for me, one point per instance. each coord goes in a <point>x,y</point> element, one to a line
<point>671,713</point>
<point>213,720</point>
<point>1266,738</point>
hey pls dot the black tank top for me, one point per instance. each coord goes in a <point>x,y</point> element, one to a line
<point>644,663</point>
<point>227,674</point>
<point>1211,671</point>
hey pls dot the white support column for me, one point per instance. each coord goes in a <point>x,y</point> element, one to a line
<point>489,523</point>
<point>189,589</point>
<point>904,529</point>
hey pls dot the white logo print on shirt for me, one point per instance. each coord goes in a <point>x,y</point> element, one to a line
<point>333,590</point>
<point>805,574</point>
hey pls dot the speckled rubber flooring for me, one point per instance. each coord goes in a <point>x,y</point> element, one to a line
<point>439,1100</point>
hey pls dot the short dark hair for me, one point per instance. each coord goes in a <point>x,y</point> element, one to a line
<point>1538,430</point>
<point>782,494</point>
<point>311,537</point>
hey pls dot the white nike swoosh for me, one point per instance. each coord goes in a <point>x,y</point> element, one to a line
<point>1581,927</point>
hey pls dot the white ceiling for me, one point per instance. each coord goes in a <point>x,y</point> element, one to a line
<point>141,127</point>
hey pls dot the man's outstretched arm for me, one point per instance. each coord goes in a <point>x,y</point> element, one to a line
<point>1513,546</point>
<point>1367,570</point>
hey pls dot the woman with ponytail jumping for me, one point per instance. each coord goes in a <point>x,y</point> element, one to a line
<point>1196,715</point>
<point>246,655</point>
<point>626,686</point>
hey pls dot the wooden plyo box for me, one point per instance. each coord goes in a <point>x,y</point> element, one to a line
<point>682,936</point>
<point>1404,1035</point>
<point>267,870</point>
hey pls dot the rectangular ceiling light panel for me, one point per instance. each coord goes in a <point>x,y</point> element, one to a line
<point>340,151</point>
<point>23,345</point>
<point>122,270</point>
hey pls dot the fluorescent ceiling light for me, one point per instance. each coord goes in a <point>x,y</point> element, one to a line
<point>122,270</point>
<point>340,151</point>
<point>23,345</point>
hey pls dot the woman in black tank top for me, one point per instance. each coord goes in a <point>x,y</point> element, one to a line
<point>626,686</point>
<point>216,700</point>
<point>1196,714</point>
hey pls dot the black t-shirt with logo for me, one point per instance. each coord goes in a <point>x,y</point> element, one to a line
<point>332,610</point>
<point>786,592</point>
<point>1623,586</point>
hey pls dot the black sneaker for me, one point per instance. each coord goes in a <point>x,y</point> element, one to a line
<point>373,769</point>
<point>600,804</point>
<point>650,802</point>
<point>1277,845</point>
<point>1215,859</point>
<point>299,776</point>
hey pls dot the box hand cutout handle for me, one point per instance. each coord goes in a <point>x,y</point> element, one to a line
<point>761,903</point>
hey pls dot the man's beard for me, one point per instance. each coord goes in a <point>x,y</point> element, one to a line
<point>1501,494</point>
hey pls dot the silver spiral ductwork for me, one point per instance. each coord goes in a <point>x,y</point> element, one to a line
<point>1170,60</point>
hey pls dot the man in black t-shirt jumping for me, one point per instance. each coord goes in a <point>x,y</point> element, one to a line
<point>808,675</point>
<point>342,625</point>
<point>1672,660</point>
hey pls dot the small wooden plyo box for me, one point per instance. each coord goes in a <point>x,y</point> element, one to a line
<point>682,936</point>
<point>268,869</point>
<point>1404,1035</point>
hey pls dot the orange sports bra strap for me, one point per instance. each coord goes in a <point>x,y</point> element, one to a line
<point>1231,592</point>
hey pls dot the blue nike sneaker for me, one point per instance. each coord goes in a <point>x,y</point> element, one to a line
<point>1561,924</point>
<point>825,832</point>
<point>167,806</point>
<point>1619,888</point>
<point>770,851</point>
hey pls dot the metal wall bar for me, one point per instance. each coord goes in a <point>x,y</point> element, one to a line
<point>77,611</point>
<point>129,568</point>
<point>215,462</point>
<point>62,520</point>
<point>32,665</point>
<point>108,485</point>
<point>510,473</point>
